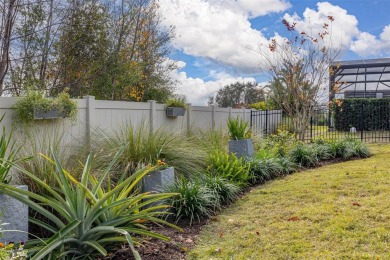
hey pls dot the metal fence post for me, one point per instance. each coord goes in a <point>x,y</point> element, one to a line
<point>361,122</point>
<point>311,128</point>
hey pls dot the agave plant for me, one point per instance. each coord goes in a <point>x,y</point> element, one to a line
<point>85,217</point>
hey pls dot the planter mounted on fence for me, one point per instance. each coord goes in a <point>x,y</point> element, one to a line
<point>48,114</point>
<point>175,111</point>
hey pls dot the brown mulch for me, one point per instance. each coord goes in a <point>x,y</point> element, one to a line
<point>154,249</point>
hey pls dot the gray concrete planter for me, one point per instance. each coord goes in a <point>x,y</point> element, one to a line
<point>175,111</point>
<point>241,148</point>
<point>158,180</point>
<point>15,213</point>
<point>49,114</point>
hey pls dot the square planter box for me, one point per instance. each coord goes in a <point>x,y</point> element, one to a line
<point>158,180</point>
<point>49,114</point>
<point>15,213</point>
<point>175,111</point>
<point>241,148</point>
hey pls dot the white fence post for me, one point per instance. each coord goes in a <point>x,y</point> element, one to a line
<point>213,117</point>
<point>189,115</point>
<point>90,123</point>
<point>152,115</point>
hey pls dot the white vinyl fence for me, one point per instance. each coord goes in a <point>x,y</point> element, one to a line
<point>111,115</point>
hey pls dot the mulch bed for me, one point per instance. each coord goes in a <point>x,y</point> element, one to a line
<point>154,249</point>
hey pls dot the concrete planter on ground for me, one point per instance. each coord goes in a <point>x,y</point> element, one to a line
<point>241,148</point>
<point>15,213</point>
<point>158,180</point>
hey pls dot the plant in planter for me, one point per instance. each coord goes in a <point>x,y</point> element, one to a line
<point>240,144</point>
<point>176,107</point>
<point>34,106</point>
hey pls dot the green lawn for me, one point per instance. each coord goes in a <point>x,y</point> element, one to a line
<point>340,211</point>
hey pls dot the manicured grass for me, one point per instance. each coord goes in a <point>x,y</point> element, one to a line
<point>339,211</point>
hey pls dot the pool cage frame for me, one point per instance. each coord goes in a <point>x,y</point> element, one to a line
<point>359,79</point>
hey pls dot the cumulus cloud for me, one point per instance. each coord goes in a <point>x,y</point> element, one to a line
<point>219,30</point>
<point>367,45</point>
<point>342,30</point>
<point>198,90</point>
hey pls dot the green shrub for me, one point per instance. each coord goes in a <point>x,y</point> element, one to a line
<point>24,107</point>
<point>358,112</point>
<point>238,128</point>
<point>193,202</point>
<point>225,191</point>
<point>176,102</point>
<point>229,167</point>
<point>348,148</point>
<point>286,165</point>
<point>303,155</point>
<point>84,217</point>
<point>323,151</point>
<point>262,170</point>
<point>280,143</point>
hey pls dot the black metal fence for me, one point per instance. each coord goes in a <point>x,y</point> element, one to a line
<point>364,122</point>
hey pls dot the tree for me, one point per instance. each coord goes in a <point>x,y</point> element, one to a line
<point>299,69</point>
<point>239,95</point>
<point>8,12</point>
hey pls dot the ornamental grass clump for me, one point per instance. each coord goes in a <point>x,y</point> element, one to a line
<point>193,202</point>
<point>224,190</point>
<point>143,146</point>
<point>89,216</point>
<point>303,155</point>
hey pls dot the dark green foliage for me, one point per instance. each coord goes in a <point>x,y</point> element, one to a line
<point>194,201</point>
<point>303,155</point>
<point>225,191</point>
<point>263,170</point>
<point>229,167</point>
<point>24,108</point>
<point>286,165</point>
<point>369,114</point>
<point>323,151</point>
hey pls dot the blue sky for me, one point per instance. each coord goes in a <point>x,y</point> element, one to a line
<point>216,40</point>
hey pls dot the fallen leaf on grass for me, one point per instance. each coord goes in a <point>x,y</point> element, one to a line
<point>295,218</point>
<point>220,235</point>
<point>257,233</point>
<point>356,204</point>
<point>189,240</point>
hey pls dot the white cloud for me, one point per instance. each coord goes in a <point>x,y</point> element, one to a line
<point>342,30</point>
<point>219,30</point>
<point>367,45</point>
<point>197,90</point>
